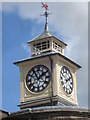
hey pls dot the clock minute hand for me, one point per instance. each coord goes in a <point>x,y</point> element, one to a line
<point>42,74</point>
<point>35,73</point>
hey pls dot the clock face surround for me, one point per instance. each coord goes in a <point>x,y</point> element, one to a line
<point>66,80</point>
<point>38,78</point>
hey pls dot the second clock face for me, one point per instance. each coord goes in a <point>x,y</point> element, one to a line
<point>38,78</point>
<point>66,80</point>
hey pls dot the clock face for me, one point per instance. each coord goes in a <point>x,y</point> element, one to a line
<point>66,80</point>
<point>38,78</point>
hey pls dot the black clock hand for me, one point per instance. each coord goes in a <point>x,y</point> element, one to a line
<point>65,77</point>
<point>35,73</point>
<point>42,74</point>
<point>38,72</point>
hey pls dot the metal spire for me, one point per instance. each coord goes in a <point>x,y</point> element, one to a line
<point>46,14</point>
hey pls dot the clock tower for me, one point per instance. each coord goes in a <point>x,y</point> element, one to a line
<point>48,77</point>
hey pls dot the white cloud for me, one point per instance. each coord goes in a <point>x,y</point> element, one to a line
<point>71,21</point>
<point>26,48</point>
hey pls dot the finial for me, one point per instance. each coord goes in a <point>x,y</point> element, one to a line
<point>46,14</point>
<point>46,27</point>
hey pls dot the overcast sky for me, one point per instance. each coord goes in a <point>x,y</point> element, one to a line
<point>69,22</point>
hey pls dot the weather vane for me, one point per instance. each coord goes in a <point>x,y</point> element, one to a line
<point>46,14</point>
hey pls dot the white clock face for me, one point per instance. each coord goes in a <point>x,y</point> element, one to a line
<point>66,80</point>
<point>38,78</point>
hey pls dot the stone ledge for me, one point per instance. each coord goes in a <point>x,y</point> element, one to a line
<point>51,113</point>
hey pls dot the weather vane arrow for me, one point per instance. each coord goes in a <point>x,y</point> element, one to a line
<point>46,14</point>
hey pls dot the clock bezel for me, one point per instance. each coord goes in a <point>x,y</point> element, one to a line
<point>72,81</point>
<point>40,92</point>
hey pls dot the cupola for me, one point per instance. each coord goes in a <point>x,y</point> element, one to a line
<point>46,42</point>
